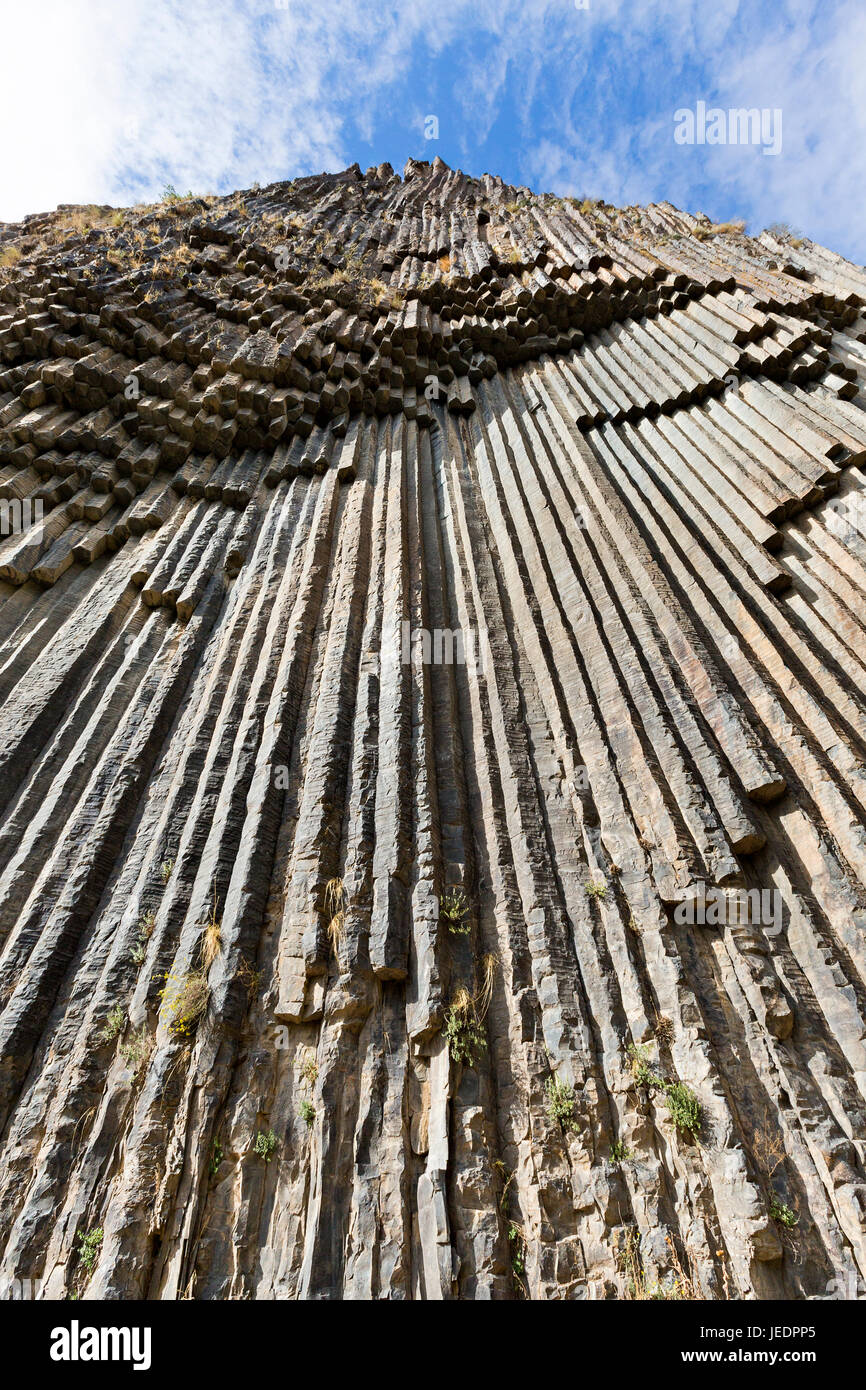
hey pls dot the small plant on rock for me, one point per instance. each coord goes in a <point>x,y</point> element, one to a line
<point>212,940</point>
<point>462,1029</point>
<point>146,924</point>
<point>216,1158</point>
<point>114,1024</point>
<point>165,869</point>
<point>596,890</point>
<point>513,1230</point>
<point>453,907</point>
<point>619,1152</point>
<point>307,1112</point>
<point>685,1107</point>
<point>641,1069</point>
<point>137,1050</point>
<point>185,1000</point>
<point>782,1213</point>
<point>265,1145</point>
<point>310,1071</point>
<point>517,1246</point>
<point>88,1249</point>
<point>560,1103</point>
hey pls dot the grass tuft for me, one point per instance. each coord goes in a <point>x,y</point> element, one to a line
<point>462,1029</point>
<point>114,1024</point>
<point>561,1103</point>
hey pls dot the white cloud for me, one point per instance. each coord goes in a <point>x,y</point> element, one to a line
<point>808,63</point>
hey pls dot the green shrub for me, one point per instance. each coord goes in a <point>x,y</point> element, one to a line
<point>88,1248</point>
<point>146,924</point>
<point>619,1152</point>
<point>463,1031</point>
<point>307,1111</point>
<point>137,1050</point>
<point>114,1024</point>
<point>517,1245</point>
<point>685,1107</point>
<point>265,1145</point>
<point>782,1213</point>
<point>310,1071</point>
<point>641,1069</point>
<point>560,1103</point>
<point>454,907</point>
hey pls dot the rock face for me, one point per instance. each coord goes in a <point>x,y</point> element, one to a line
<point>433,848</point>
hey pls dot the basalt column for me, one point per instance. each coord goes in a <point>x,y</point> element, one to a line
<point>433,681</point>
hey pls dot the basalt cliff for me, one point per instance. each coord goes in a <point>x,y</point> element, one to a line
<point>433,677</point>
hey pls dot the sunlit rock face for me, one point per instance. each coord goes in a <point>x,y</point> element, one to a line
<point>432,666</point>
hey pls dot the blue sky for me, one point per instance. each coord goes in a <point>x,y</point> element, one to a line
<point>109,100</point>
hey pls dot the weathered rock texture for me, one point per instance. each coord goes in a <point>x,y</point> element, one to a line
<point>640,490</point>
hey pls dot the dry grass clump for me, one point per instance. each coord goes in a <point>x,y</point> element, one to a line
<point>679,1287</point>
<point>335,910</point>
<point>335,893</point>
<point>212,941</point>
<point>337,931</point>
<point>185,1000</point>
<point>768,1147</point>
<point>250,977</point>
<point>489,966</point>
<point>719,229</point>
